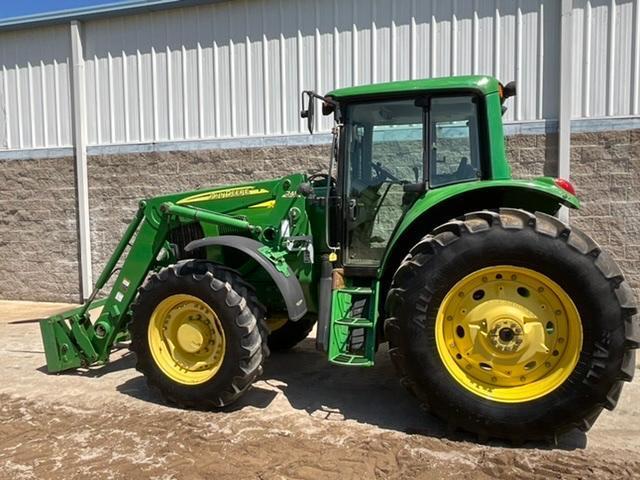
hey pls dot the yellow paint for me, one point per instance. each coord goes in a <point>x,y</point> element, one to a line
<point>267,204</point>
<point>190,336</point>
<point>223,194</point>
<point>276,322</point>
<point>186,339</point>
<point>508,334</point>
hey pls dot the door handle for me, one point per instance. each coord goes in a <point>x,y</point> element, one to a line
<point>353,209</point>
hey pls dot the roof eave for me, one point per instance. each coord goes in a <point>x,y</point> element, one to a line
<point>88,13</point>
<point>482,83</point>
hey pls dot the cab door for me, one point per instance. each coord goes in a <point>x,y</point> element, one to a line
<point>384,151</point>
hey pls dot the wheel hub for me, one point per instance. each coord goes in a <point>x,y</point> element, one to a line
<point>191,336</point>
<point>506,335</point>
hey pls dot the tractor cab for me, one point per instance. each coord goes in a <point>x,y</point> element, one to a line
<point>395,142</point>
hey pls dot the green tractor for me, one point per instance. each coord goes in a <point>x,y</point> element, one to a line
<point>500,318</point>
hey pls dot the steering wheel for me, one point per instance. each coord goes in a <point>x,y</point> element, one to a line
<point>328,179</point>
<point>384,174</point>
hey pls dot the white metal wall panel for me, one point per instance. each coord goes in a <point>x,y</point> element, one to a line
<point>606,58</point>
<point>237,68</point>
<point>34,88</point>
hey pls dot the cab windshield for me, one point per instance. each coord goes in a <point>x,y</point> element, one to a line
<point>395,142</point>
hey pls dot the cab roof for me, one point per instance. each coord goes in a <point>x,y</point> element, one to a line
<point>481,83</point>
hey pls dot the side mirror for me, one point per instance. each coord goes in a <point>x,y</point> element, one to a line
<point>309,113</point>
<point>328,107</point>
<point>509,90</point>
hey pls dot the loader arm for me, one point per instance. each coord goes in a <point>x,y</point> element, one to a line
<point>70,339</point>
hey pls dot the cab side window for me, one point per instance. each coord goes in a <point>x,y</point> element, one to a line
<point>454,147</point>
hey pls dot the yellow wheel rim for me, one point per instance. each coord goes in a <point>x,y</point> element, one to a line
<point>276,322</point>
<point>186,339</point>
<point>509,334</point>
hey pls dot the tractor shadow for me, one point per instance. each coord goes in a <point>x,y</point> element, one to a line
<point>332,393</point>
<point>367,395</point>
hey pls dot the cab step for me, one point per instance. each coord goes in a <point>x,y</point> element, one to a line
<point>355,322</point>
<point>352,360</point>
<point>353,326</point>
<point>355,291</point>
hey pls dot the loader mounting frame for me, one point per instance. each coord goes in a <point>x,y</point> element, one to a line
<point>71,339</point>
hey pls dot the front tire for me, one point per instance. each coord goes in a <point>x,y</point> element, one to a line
<point>286,334</point>
<point>196,332</point>
<point>512,325</point>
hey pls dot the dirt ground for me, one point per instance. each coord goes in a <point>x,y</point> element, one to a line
<point>305,419</point>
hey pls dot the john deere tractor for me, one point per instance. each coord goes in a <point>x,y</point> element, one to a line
<point>502,319</point>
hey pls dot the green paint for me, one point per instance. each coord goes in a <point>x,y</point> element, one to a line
<point>60,352</point>
<point>277,258</point>
<point>352,340</point>
<point>70,340</point>
<point>482,84</point>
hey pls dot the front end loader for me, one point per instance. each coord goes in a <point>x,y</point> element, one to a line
<point>502,319</point>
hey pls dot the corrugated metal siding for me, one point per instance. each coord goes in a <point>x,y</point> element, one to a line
<point>606,58</point>
<point>237,68</point>
<point>34,88</point>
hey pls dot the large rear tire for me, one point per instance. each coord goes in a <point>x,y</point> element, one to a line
<point>197,331</point>
<point>512,325</point>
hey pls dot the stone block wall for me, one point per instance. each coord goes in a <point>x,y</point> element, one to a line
<point>38,230</point>
<point>533,155</point>
<point>605,170</point>
<point>38,221</point>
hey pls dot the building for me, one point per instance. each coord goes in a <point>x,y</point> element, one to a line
<point>100,107</point>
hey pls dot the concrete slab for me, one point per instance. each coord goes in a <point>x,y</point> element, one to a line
<point>12,311</point>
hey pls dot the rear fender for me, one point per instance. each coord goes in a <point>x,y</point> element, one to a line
<point>289,286</point>
<point>440,205</point>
